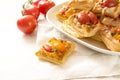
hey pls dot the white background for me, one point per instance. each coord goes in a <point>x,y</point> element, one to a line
<point>17,51</point>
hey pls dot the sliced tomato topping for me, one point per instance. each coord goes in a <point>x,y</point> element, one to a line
<point>109,3</point>
<point>83,18</point>
<point>118,30</point>
<point>93,18</point>
<point>47,48</point>
<point>63,10</point>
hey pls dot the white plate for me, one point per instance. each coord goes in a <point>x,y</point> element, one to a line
<point>90,43</point>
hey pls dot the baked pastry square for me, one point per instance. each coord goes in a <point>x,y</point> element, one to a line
<point>82,29</point>
<point>55,50</point>
<point>111,38</point>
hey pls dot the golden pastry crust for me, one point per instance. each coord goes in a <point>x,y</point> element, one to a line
<point>111,39</point>
<point>82,4</point>
<point>97,37</point>
<point>73,27</point>
<point>110,21</point>
<point>74,6</point>
<point>65,12</point>
<point>113,12</point>
<point>61,49</point>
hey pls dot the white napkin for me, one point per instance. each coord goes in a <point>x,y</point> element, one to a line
<point>84,63</point>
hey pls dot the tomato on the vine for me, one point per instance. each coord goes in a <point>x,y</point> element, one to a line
<point>29,9</point>
<point>45,5</point>
<point>27,24</point>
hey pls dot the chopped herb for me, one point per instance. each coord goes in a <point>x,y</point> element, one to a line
<point>55,50</point>
<point>113,33</point>
<point>61,41</point>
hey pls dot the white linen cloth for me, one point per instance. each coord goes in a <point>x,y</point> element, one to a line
<point>83,63</point>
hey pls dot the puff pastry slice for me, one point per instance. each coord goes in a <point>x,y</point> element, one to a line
<point>111,38</point>
<point>73,27</point>
<point>113,11</point>
<point>55,50</point>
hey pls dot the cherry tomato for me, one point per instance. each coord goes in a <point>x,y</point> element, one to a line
<point>118,30</point>
<point>35,2</point>
<point>83,18</point>
<point>109,3</point>
<point>93,18</point>
<point>26,24</point>
<point>45,5</point>
<point>29,9</point>
<point>48,48</point>
<point>63,10</point>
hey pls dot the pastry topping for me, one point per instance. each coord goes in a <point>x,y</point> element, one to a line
<point>93,18</point>
<point>109,3</point>
<point>83,18</point>
<point>63,10</point>
<point>48,48</point>
<point>87,18</point>
<point>58,45</point>
<point>116,33</point>
<point>54,46</point>
<point>118,30</point>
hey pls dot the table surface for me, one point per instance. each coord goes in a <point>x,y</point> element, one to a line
<point>17,58</point>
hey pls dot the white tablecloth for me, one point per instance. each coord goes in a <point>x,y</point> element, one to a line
<point>83,63</point>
